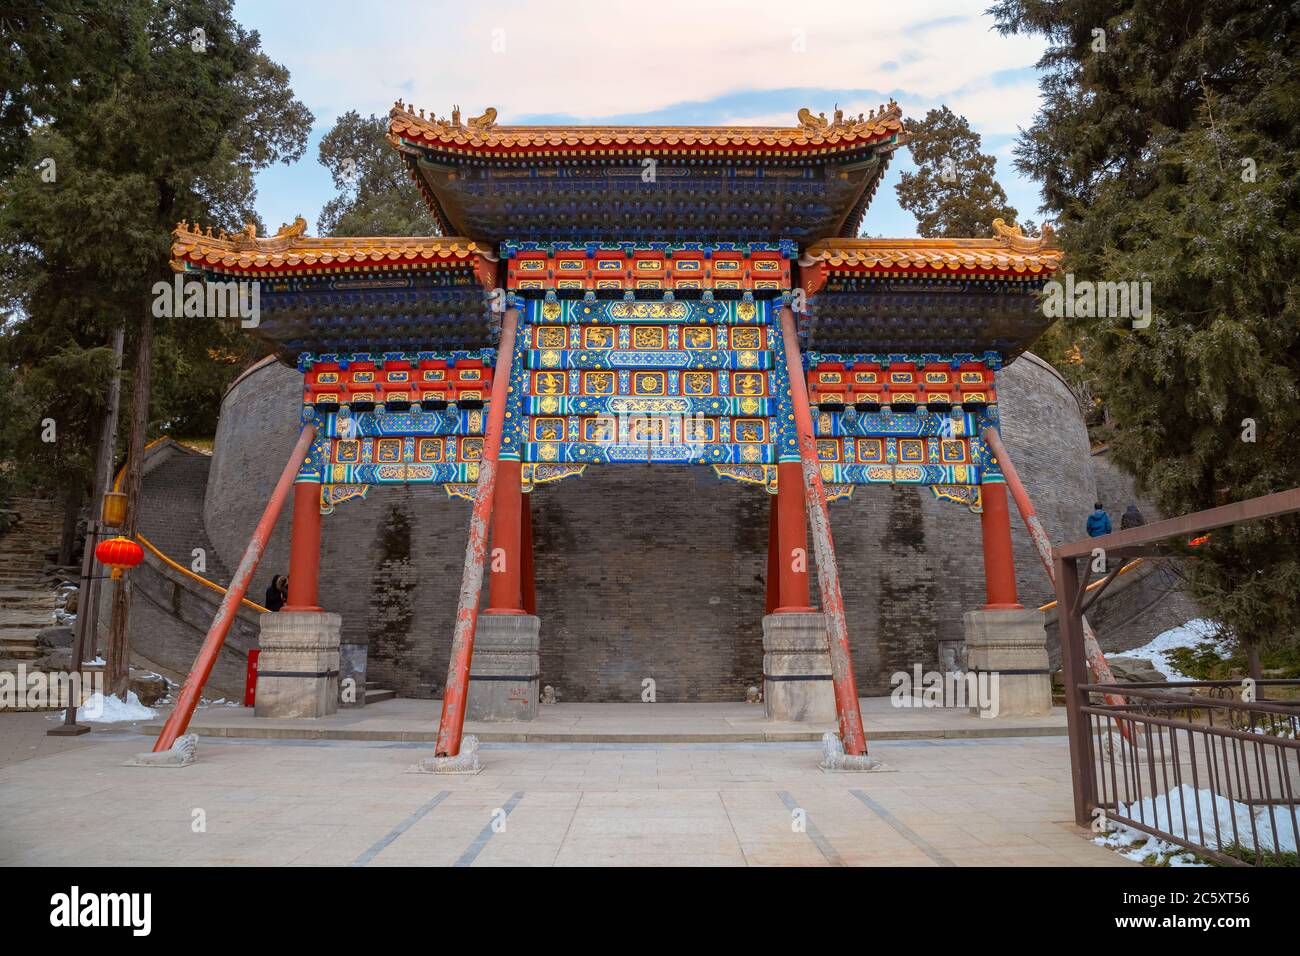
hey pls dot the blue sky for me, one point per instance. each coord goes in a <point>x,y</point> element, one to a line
<point>626,61</point>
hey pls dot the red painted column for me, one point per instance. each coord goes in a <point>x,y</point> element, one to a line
<point>529,583</point>
<point>505,593</point>
<point>999,565</point>
<point>304,549</point>
<point>773,560</point>
<point>792,532</point>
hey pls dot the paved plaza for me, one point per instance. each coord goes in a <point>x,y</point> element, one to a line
<point>417,721</point>
<point>942,802</point>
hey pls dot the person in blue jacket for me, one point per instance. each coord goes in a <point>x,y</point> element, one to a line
<point>1098,522</point>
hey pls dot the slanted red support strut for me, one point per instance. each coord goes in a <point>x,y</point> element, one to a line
<point>188,698</point>
<point>828,575</point>
<point>452,723</point>
<point>1043,545</point>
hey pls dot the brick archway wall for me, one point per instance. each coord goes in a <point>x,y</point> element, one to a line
<point>650,572</point>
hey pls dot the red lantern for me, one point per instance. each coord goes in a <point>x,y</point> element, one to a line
<point>119,553</point>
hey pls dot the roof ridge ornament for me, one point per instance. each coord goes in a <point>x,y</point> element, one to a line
<point>482,123</point>
<point>862,123</point>
<point>1014,237</point>
<point>814,124</point>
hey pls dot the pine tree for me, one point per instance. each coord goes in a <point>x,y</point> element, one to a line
<point>170,122</point>
<point>1167,145</point>
<point>953,193</point>
<point>376,194</point>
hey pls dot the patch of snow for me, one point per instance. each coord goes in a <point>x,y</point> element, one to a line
<point>1190,635</point>
<point>97,662</point>
<point>1168,814</point>
<point>99,709</point>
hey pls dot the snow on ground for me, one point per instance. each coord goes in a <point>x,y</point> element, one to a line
<point>99,709</point>
<point>1191,635</point>
<point>1276,831</point>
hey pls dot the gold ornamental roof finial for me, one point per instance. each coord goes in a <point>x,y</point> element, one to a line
<point>484,122</point>
<point>1014,236</point>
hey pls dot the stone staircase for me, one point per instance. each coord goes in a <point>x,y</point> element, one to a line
<point>171,518</point>
<point>26,601</point>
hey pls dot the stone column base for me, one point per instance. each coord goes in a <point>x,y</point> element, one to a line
<point>1007,651</point>
<point>504,669</point>
<point>298,670</point>
<point>797,682</point>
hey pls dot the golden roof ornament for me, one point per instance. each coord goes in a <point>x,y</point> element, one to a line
<point>294,230</point>
<point>809,122</point>
<point>1015,237</point>
<point>484,122</point>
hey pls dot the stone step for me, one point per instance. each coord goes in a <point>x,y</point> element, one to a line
<point>26,597</point>
<point>21,633</point>
<point>375,696</point>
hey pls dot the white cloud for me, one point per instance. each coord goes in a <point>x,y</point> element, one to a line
<point>607,57</point>
<point>593,59</point>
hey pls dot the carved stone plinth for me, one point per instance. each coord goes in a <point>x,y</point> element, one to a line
<point>504,669</point>
<point>1007,650</point>
<point>797,682</point>
<point>298,670</point>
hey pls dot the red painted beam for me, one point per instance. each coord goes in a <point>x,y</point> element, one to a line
<point>505,567</point>
<point>304,549</point>
<point>529,582</point>
<point>828,575</point>
<point>792,532</point>
<point>773,559</point>
<point>452,723</point>
<point>188,699</point>
<point>999,563</point>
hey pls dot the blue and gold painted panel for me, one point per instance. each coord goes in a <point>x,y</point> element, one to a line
<point>637,381</point>
<point>691,382</point>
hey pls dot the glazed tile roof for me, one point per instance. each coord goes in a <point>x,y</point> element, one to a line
<point>292,248</point>
<point>814,135</point>
<point>1008,251</point>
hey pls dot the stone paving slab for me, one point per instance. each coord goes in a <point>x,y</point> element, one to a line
<point>949,802</point>
<point>416,721</point>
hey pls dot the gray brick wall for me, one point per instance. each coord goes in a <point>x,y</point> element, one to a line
<point>651,572</point>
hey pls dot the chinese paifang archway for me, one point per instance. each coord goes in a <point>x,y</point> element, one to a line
<point>651,287</point>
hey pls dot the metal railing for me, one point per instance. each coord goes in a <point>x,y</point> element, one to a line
<point>1198,767</point>
<point>1203,770</point>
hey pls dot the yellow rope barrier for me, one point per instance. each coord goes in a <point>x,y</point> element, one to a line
<point>1096,584</point>
<point>149,545</point>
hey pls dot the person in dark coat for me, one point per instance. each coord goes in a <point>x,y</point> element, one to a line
<point>277,593</point>
<point>1132,518</point>
<point>1098,521</point>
